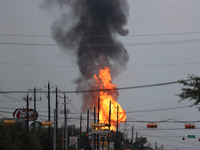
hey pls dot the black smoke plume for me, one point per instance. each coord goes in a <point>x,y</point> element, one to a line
<point>88,30</point>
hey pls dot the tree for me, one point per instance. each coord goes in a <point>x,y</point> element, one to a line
<point>140,143</point>
<point>15,137</point>
<point>192,92</point>
<point>121,139</point>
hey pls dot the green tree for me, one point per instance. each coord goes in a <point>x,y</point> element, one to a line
<point>140,144</point>
<point>121,140</point>
<point>73,131</point>
<point>192,89</point>
<point>15,137</point>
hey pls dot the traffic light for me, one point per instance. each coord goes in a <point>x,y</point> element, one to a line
<point>183,138</point>
<point>199,139</point>
<point>189,126</point>
<point>152,125</point>
<point>108,124</point>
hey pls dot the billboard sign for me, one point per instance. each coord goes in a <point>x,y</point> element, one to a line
<point>22,113</point>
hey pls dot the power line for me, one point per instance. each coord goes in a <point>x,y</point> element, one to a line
<point>158,109</point>
<point>164,121</point>
<point>154,34</point>
<point>98,90</point>
<point>20,64</point>
<point>136,106</point>
<point>106,45</point>
<point>153,65</point>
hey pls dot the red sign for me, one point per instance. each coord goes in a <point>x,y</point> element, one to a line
<point>22,113</point>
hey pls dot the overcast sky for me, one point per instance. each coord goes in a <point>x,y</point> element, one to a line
<point>163,42</point>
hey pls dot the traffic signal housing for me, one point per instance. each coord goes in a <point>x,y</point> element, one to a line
<point>152,125</point>
<point>189,126</point>
<point>183,138</point>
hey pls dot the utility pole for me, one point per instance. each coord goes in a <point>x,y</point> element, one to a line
<point>125,130</point>
<point>98,108</point>
<point>117,129</point>
<point>98,138</point>
<point>136,139</point>
<point>56,114</point>
<point>66,133</point>
<point>88,142</point>
<point>156,146</point>
<point>80,131</point>
<point>54,139</point>
<point>34,111</point>
<point>94,122</point>
<point>132,138</point>
<point>109,126</point>
<point>49,117</point>
<point>27,115</point>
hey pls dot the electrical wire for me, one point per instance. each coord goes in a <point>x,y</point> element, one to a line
<point>158,109</point>
<point>135,66</point>
<point>108,45</point>
<point>149,104</point>
<point>7,96</point>
<point>154,34</point>
<point>123,88</point>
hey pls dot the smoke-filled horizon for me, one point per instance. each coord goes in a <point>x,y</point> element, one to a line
<point>87,29</point>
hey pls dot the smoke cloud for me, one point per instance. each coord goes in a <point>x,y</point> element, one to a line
<point>87,29</point>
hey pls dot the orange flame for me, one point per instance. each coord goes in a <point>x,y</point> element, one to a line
<point>103,81</point>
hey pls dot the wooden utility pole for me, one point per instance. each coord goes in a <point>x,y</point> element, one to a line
<point>109,126</point>
<point>34,111</point>
<point>80,131</point>
<point>125,129</point>
<point>156,148</point>
<point>56,114</point>
<point>132,138</point>
<point>98,108</point>
<point>54,135</point>
<point>109,114</point>
<point>117,129</point>
<point>88,142</point>
<point>27,115</point>
<point>49,117</point>
<point>66,133</point>
<point>94,122</point>
<point>136,138</point>
<point>98,136</point>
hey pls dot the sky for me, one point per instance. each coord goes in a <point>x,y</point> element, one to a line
<point>163,42</point>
